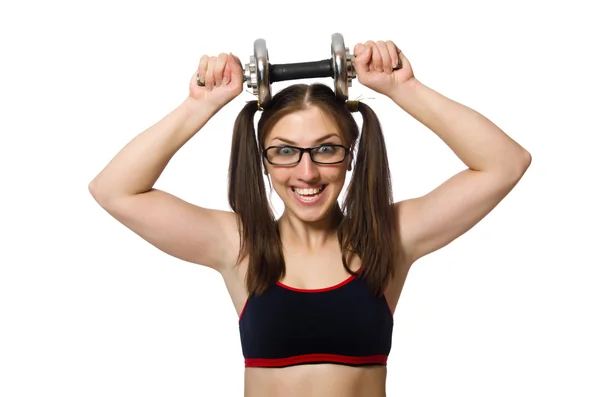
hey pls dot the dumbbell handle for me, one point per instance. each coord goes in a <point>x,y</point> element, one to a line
<point>302,70</point>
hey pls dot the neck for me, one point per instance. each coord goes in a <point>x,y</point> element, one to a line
<point>309,236</point>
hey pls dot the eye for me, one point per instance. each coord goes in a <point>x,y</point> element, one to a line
<point>326,149</point>
<point>285,150</point>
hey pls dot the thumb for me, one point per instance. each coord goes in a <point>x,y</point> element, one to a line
<point>362,56</point>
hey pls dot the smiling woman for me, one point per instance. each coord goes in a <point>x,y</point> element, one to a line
<point>316,289</point>
<point>301,311</point>
<point>308,140</point>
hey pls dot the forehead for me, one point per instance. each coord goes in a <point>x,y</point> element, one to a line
<point>303,127</point>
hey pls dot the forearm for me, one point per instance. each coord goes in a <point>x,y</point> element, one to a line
<point>478,142</point>
<point>137,166</point>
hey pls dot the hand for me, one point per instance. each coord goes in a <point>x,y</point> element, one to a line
<point>222,77</point>
<point>374,64</point>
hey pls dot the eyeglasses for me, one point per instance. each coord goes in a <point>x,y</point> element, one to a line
<point>291,155</point>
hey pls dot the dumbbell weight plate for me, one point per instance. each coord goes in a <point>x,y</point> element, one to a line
<point>342,65</point>
<point>256,73</point>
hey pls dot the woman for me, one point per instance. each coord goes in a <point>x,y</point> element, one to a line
<point>315,289</point>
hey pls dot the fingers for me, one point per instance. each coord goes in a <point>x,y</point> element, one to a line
<point>376,64</point>
<point>219,69</point>
<point>383,56</point>
<point>359,49</point>
<point>362,56</point>
<point>394,54</point>
<point>209,80</point>
<point>202,69</point>
<point>386,59</point>
<point>227,71</point>
<point>214,71</point>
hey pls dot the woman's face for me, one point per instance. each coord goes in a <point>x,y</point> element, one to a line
<point>308,190</point>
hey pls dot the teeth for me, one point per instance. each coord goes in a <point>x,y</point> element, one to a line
<point>308,191</point>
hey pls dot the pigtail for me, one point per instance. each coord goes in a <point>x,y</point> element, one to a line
<point>369,229</point>
<point>244,163</point>
<point>248,199</point>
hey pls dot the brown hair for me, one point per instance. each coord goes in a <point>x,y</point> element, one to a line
<point>365,220</point>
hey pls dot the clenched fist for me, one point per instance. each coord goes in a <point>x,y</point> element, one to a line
<point>218,79</point>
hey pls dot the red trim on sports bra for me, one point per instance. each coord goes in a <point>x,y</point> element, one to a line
<point>307,358</point>
<point>341,284</point>
<point>243,309</point>
<point>388,306</point>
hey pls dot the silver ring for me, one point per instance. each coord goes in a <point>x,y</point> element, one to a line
<point>200,83</point>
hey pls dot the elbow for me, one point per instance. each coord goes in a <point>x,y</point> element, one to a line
<point>94,189</point>
<point>100,194</point>
<point>525,160</point>
<point>519,165</point>
<point>512,166</point>
<point>95,192</point>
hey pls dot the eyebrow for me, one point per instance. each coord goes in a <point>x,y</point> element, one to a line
<point>323,138</point>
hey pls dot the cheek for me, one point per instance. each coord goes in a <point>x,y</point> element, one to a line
<point>279,178</point>
<point>335,175</point>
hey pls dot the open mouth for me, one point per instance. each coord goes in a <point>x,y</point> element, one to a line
<point>308,195</point>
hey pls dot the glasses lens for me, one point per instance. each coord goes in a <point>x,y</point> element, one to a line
<point>328,154</point>
<point>283,155</point>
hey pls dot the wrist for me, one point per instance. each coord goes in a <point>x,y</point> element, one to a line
<point>197,111</point>
<point>406,92</point>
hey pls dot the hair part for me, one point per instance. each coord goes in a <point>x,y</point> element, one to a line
<point>365,220</point>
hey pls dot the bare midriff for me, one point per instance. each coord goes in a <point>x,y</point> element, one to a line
<point>315,380</point>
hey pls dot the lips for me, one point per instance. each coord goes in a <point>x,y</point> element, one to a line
<point>308,195</point>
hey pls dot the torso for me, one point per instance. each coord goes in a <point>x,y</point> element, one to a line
<point>313,272</point>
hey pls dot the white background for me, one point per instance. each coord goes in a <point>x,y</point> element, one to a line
<point>87,308</point>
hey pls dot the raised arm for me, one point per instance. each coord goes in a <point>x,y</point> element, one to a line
<point>495,162</point>
<point>124,188</point>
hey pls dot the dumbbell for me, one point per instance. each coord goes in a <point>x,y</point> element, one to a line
<point>259,74</point>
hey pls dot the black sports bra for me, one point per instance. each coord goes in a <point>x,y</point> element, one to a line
<point>343,324</point>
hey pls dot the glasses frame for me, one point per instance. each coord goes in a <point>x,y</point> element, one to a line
<point>306,150</point>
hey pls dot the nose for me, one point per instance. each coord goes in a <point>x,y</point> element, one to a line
<point>307,169</point>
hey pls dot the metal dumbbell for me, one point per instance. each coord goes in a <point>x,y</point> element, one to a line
<point>259,74</point>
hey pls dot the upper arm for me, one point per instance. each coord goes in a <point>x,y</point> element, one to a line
<point>432,221</point>
<point>194,234</point>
